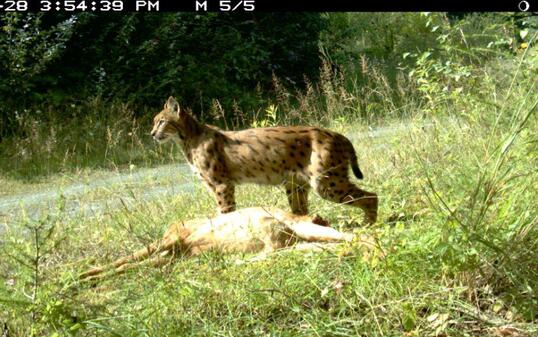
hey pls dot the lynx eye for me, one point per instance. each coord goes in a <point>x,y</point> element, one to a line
<point>161,122</point>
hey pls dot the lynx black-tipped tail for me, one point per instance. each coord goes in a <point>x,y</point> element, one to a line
<point>356,170</point>
<point>354,164</point>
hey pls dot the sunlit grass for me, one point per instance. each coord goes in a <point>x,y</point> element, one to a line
<point>434,278</point>
<point>457,234</point>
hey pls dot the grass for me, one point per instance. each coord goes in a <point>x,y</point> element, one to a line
<point>79,138</point>
<point>458,235</point>
<point>433,281</point>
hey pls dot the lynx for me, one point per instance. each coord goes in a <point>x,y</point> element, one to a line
<point>298,157</point>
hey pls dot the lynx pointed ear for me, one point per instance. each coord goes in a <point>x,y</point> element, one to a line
<point>172,105</point>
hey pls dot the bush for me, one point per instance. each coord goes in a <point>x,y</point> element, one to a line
<point>143,58</point>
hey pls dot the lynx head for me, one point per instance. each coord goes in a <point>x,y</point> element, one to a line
<point>173,123</point>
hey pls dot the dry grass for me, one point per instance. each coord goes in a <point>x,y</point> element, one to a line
<point>458,226</point>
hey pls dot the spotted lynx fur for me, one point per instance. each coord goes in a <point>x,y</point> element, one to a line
<point>297,157</point>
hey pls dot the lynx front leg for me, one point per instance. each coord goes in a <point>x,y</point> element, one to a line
<point>224,193</point>
<point>297,198</point>
<point>225,196</point>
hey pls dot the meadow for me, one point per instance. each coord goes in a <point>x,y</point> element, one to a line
<point>451,150</point>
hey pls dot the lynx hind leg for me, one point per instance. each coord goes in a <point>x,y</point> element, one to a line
<point>341,190</point>
<point>367,201</point>
<point>297,197</point>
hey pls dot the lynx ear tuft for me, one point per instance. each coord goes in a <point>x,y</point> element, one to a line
<point>172,105</point>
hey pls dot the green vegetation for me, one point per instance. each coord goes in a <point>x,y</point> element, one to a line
<point>454,162</point>
<point>59,60</point>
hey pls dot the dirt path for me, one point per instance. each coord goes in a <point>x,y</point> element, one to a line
<point>94,197</point>
<point>97,196</point>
